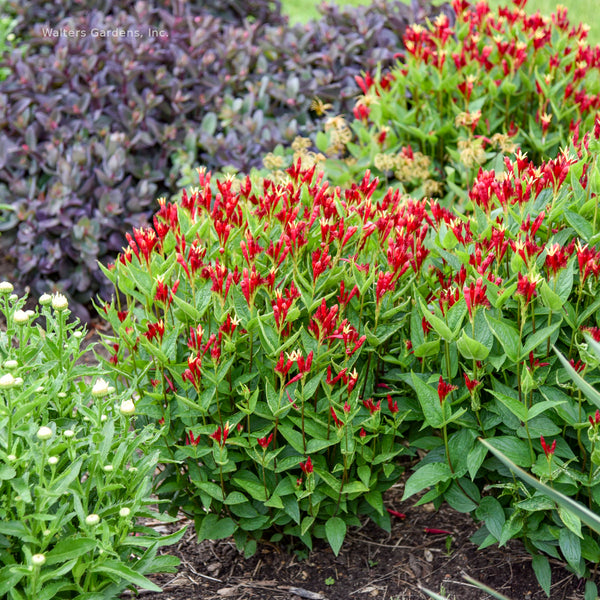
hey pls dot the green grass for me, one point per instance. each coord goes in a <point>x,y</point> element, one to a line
<point>579,11</point>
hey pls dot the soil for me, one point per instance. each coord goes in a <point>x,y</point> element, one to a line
<point>373,564</point>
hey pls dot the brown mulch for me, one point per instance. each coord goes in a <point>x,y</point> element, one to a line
<point>373,564</point>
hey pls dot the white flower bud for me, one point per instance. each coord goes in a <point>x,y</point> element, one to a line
<point>52,460</point>
<point>11,364</point>
<point>124,512</point>
<point>30,313</point>
<point>92,519</point>
<point>68,433</point>
<point>44,433</point>
<point>103,418</point>
<point>6,287</point>
<point>77,334</point>
<point>112,389</point>
<point>100,388</point>
<point>11,458</point>
<point>38,560</point>
<point>6,381</point>
<point>127,407</point>
<point>47,532</point>
<point>39,389</point>
<point>59,302</point>
<point>108,468</point>
<point>13,297</point>
<point>132,469</point>
<point>18,381</point>
<point>45,299</point>
<point>62,394</point>
<point>21,317</point>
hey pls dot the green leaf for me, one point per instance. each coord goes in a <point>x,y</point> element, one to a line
<point>535,339</point>
<point>187,308</point>
<point>438,325</point>
<point>516,408</point>
<point>213,528</point>
<point>335,530</point>
<point>427,349</point>
<point>123,572</point>
<point>69,548</point>
<point>491,512</point>
<point>552,300</point>
<point>430,402</point>
<point>471,349</point>
<point>570,520</point>
<point>570,546</point>
<point>580,224</point>
<point>475,459</point>
<point>515,449</point>
<point>426,476</point>
<point>564,282</point>
<point>507,335</point>
<point>543,573</point>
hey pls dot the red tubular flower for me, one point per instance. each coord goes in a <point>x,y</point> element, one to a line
<point>593,331</point>
<point>352,380</point>
<point>444,389</point>
<point>265,441</point>
<point>220,435</point>
<point>362,433</point>
<point>437,531</point>
<point>307,466</point>
<point>548,451</point>
<point>471,383</point>
<point>475,296</point>
<point>392,404</point>
<point>193,373</point>
<point>578,366</point>
<point>526,287</point>
<point>155,330</point>
<point>595,419</point>
<point>190,440</point>
<point>396,514</point>
<point>534,363</point>
<point>373,408</point>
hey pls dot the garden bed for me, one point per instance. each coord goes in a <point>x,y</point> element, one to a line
<point>372,564</point>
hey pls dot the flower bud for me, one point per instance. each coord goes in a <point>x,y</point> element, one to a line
<point>44,433</point>
<point>124,512</point>
<point>30,313</point>
<point>108,468</point>
<point>92,519</point>
<point>62,394</point>
<point>77,334</point>
<point>127,407</point>
<point>11,458</point>
<point>6,381</point>
<point>13,297</point>
<point>103,418</point>
<point>45,299</point>
<point>6,287</point>
<point>52,460</point>
<point>68,433</point>
<point>18,381</point>
<point>100,388</point>
<point>38,560</point>
<point>59,302</point>
<point>11,364</point>
<point>21,317</point>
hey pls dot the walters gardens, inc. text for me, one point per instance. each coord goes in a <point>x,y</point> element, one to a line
<point>149,32</point>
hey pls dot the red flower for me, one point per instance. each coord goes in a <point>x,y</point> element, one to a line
<point>307,466</point>
<point>265,441</point>
<point>444,389</point>
<point>578,366</point>
<point>392,404</point>
<point>548,451</point>
<point>526,287</point>
<point>595,419</point>
<point>535,363</point>
<point>471,383</point>
<point>190,440</point>
<point>594,332</point>
<point>220,436</point>
<point>475,295</point>
<point>397,514</point>
<point>362,433</point>
<point>373,408</point>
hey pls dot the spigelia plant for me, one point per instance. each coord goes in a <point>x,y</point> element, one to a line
<point>502,286</point>
<point>468,89</point>
<point>253,320</point>
<point>74,482</point>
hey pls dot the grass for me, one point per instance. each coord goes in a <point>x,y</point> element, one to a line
<point>579,11</point>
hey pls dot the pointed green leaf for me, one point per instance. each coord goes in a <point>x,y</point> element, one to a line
<point>335,530</point>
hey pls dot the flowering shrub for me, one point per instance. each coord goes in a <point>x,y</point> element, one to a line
<point>504,285</point>
<point>252,321</point>
<point>73,484</point>
<point>466,94</point>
